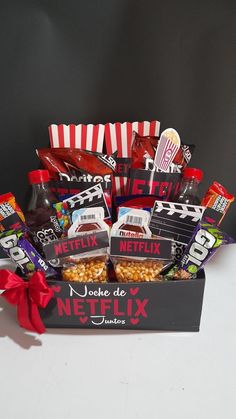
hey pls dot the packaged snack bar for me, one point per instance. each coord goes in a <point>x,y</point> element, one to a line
<point>21,252</point>
<point>84,137</point>
<point>11,216</point>
<point>135,255</point>
<point>217,199</point>
<point>119,137</point>
<point>83,255</point>
<point>206,240</point>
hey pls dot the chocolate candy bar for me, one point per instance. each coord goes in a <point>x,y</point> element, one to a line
<point>206,240</point>
<point>217,200</point>
<point>11,216</point>
<point>23,254</point>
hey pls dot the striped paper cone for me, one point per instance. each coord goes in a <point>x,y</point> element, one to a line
<point>85,137</point>
<point>118,137</point>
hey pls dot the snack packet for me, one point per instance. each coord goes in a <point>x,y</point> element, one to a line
<point>217,200</point>
<point>91,197</point>
<point>74,171</point>
<point>144,150</point>
<point>67,163</point>
<point>83,255</point>
<point>21,252</point>
<point>135,255</point>
<point>11,216</point>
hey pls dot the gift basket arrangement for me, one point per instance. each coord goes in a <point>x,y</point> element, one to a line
<point>115,235</point>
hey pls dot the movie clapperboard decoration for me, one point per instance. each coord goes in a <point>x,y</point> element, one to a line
<point>91,197</point>
<point>176,221</point>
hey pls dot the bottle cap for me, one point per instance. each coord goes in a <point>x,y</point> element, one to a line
<point>192,173</point>
<point>38,176</point>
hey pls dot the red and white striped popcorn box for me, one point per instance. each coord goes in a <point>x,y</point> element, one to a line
<point>118,137</point>
<point>85,137</point>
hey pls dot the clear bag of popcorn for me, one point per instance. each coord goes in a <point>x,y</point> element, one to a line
<point>93,269</point>
<point>134,270</point>
<point>83,255</point>
<point>136,255</point>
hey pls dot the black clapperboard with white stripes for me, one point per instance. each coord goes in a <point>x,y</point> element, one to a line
<point>174,220</point>
<point>91,197</point>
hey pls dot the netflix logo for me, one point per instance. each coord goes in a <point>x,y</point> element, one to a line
<point>133,246</point>
<point>76,245</point>
<point>100,306</point>
<point>122,166</point>
<point>146,182</point>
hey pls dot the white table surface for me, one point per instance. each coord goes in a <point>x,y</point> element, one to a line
<point>113,374</point>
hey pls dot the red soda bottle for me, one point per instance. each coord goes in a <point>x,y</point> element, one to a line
<point>41,216</point>
<point>188,193</point>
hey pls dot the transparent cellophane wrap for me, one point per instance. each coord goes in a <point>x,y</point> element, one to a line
<point>86,269</point>
<point>139,269</point>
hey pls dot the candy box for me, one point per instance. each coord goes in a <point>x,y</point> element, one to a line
<point>168,305</point>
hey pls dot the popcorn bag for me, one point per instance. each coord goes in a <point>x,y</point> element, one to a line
<point>113,235</point>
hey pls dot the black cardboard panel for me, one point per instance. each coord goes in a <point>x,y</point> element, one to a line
<point>174,305</point>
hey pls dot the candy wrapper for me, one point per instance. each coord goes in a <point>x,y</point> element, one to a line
<point>83,254</point>
<point>206,240</point>
<point>21,252</point>
<point>11,216</point>
<point>217,200</point>
<point>91,197</point>
<point>119,137</point>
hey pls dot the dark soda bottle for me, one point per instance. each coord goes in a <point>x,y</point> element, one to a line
<point>188,193</point>
<point>41,216</point>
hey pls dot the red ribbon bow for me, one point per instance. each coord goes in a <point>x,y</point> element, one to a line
<point>28,296</point>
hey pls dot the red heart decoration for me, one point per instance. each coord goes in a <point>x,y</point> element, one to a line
<point>83,320</point>
<point>134,291</point>
<point>56,288</point>
<point>134,320</point>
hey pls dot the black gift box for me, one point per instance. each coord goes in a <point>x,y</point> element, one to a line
<point>166,305</point>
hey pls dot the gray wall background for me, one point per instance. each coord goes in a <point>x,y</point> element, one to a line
<point>117,60</point>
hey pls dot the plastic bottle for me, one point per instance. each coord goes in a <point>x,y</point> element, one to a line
<point>41,216</point>
<point>188,193</point>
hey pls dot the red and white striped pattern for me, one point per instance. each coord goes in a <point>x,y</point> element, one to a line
<point>85,137</point>
<point>118,137</point>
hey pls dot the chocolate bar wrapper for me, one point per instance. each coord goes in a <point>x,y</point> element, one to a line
<point>206,240</point>
<point>11,216</point>
<point>23,254</point>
